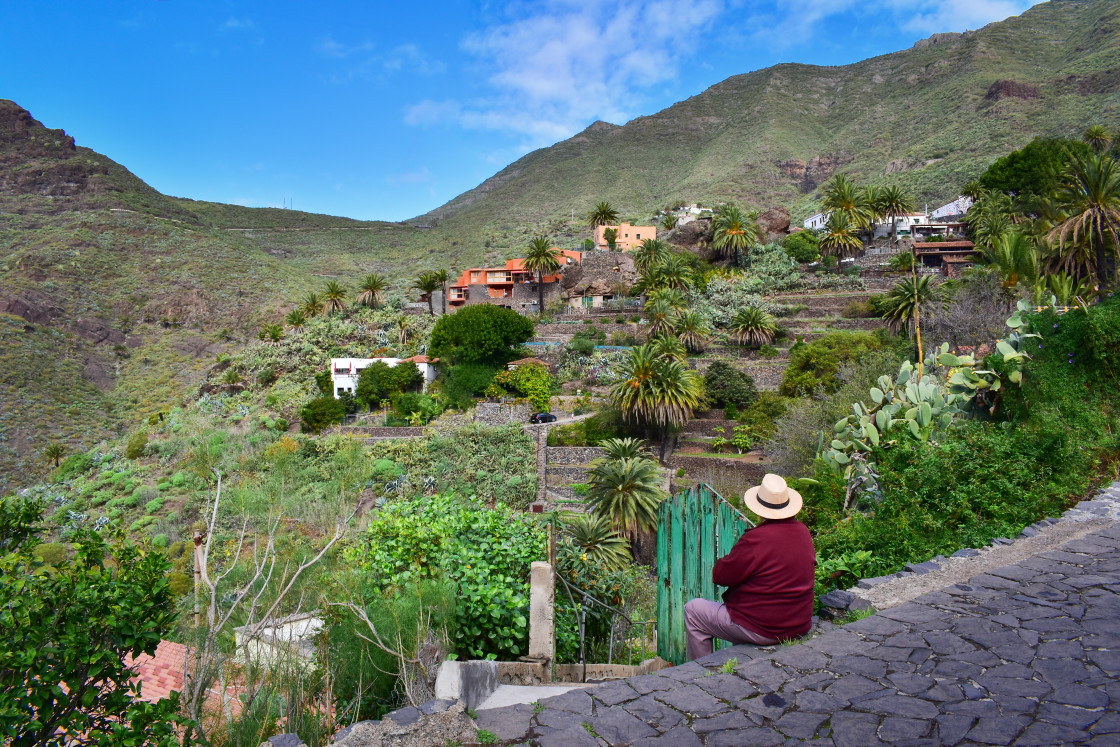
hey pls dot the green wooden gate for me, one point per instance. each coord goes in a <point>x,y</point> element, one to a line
<point>694,529</point>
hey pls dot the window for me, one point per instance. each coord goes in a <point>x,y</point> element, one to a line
<point>638,237</point>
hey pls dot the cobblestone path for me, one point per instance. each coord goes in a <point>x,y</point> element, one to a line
<point>1026,654</point>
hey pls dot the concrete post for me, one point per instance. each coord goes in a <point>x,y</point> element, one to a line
<point>542,616</point>
<point>541,449</point>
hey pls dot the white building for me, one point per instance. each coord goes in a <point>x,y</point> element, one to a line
<point>345,371</point>
<point>816,222</point>
<point>953,209</point>
<point>903,223</point>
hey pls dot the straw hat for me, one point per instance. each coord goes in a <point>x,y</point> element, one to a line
<point>773,499</point>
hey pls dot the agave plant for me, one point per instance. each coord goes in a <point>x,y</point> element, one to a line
<point>593,535</point>
<point>753,327</point>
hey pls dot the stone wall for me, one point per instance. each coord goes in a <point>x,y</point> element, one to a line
<point>502,413</point>
<point>369,431</point>
<point>573,455</point>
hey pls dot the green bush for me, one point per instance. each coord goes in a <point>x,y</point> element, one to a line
<point>480,334</point>
<point>385,470</point>
<point>163,485</point>
<point>465,381</point>
<point>409,405</point>
<point>99,497</point>
<point>814,365</point>
<point>380,381</point>
<point>51,553</point>
<point>178,479</point>
<point>160,540</point>
<point>802,246</point>
<point>74,465</point>
<point>140,523</point>
<point>581,345</point>
<point>324,383</point>
<point>266,377</point>
<point>590,431</point>
<point>137,444</point>
<point>282,425</point>
<point>321,413</point>
<point>153,505</point>
<point>727,385</point>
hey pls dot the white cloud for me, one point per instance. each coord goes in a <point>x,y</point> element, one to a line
<point>567,63</point>
<point>932,16</point>
<point>237,24</point>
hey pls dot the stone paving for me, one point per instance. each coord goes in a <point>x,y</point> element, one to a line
<point>1025,654</point>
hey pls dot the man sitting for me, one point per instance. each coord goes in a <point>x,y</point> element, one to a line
<point>769,576</point>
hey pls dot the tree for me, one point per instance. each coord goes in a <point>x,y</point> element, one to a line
<point>610,235</point>
<point>1033,169</point>
<point>479,334</point>
<point>668,346</point>
<point>427,283</point>
<point>624,448</point>
<point>1016,258</point>
<point>334,297</point>
<point>989,228</point>
<point>322,412</point>
<point>973,190</point>
<point>312,305</point>
<point>402,329</point>
<point>380,381</point>
<point>656,391</point>
<point>1098,137</point>
<point>64,636</point>
<point>660,316</point>
<point>442,276</point>
<point>902,305</point>
<point>727,385</point>
<point>734,231</point>
<point>840,238</point>
<point>296,319</point>
<point>668,222</point>
<point>1089,195</point>
<point>627,492</point>
<point>372,290</point>
<point>893,202</point>
<point>844,196</point>
<point>673,272</point>
<point>602,215</point>
<point>531,381</point>
<point>542,259</point>
<point>754,327</point>
<point>272,332</point>
<point>650,253</point>
<point>693,330</point>
<point>593,536</point>
<point>803,246</point>
<point>53,452</point>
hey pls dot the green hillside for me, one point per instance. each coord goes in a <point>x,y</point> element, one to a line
<point>928,118</point>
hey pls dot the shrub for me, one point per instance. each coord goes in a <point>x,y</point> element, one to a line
<point>588,321</point>
<point>266,377</point>
<point>160,540</point>
<point>282,425</point>
<point>479,334</point>
<point>74,465</point>
<point>635,318</point>
<point>814,365</point>
<point>802,246</point>
<point>163,485</point>
<point>178,479</point>
<point>620,319</point>
<point>590,431</point>
<point>533,382</point>
<point>727,385</point>
<point>324,382</point>
<point>464,381</point>
<point>858,310</point>
<point>415,408</point>
<point>581,345</point>
<point>137,444</point>
<point>322,412</point>
<point>379,381</point>
<point>385,470</point>
<point>153,505</point>
<point>180,584</point>
<point>51,553</point>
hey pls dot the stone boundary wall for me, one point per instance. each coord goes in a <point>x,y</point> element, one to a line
<point>502,413</point>
<point>370,431</point>
<point>748,471</point>
<point>573,455</point>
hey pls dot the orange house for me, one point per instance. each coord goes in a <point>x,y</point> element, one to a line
<point>629,237</point>
<point>511,285</point>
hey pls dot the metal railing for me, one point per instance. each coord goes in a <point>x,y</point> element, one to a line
<point>620,622</point>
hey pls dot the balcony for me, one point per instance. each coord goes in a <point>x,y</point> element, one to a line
<point>499,278</point>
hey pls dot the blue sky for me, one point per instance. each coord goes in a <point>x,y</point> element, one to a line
<point>387,110</point>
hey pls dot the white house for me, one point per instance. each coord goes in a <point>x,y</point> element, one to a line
<point>345,371</point>
<point>816,222</point>
<point>903,222</point>
<point>957,207</point>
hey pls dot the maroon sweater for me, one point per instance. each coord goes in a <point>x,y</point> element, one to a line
<point>769,579</point>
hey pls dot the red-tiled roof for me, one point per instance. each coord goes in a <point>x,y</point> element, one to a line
<point>422,359</point>
<point>939,246</point>
<point>160,674</point>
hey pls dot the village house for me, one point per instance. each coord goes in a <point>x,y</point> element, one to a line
<point>954,209</point>
<point>816,221</point>
<point>601,280</point>
<point>903,225</point>
<point>628,237</point>
<point>510,286</point>
<point>346,371</point>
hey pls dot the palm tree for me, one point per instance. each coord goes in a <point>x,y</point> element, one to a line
<point>53,452</point>
<point>659,313</point>
<point>443,276</point>
<point>427,283</point>
<point>656,391</point>
<point>667,346</point>
<point>733,232</point>
<point>1098,137</point>
<point>990,228</point>
<point>272,332</point>
<point>1089,195</point>
<point>402,329</point>
<point>842,195</point>
<point>673,272</point>
<point>693,330</point>
<point>902,305</point>
<point>669,222</point>
<point>840,238</point>
<point>1016,258</point>
<point>650,253</point>
<point>973,190</point>
<point>312,305</point>
<point>542,259</point>
<point>594,536</point>
<point>334,297</point>
<point>602,215</point>
<point>676,299</point>
<point>624,448</point>
<point>627,492</point>
<point>893,202</point>
<point>372,290</point>
<point>296,320</point>
<point>753,326</point>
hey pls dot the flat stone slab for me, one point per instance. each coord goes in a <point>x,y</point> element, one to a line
<point>1025,655</point>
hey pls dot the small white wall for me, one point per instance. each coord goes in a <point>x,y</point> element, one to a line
<point>348,381</point>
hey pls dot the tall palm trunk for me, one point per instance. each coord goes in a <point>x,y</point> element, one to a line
<point>443,298</point>
<point>540,292</point>
<point>917,314</point>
